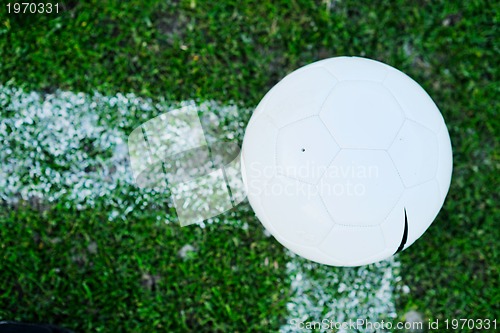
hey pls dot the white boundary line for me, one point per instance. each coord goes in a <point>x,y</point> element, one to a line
<point>324,294</point>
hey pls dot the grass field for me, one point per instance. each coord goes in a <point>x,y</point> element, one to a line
<point>82,247</point>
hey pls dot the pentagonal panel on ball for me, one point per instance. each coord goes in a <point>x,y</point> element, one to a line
<point>354,246</point>
<point>421,204</point>
<point>415,153</point>
<point>415,102</point>
<point>294,211</point>
<point>360,187</point>
<point>298,95</point>
<point>258,156</point>
<point>362,114</point>
<point>445,164</point>
<point>395,224</point>
<point>304,149</point>
<point>355,68</point>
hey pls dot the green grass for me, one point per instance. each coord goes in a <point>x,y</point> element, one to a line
<point>229,50</point>
<point>128,277</point>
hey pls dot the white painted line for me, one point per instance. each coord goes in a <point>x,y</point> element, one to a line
<point>71,147</point>
<point>340,295</point>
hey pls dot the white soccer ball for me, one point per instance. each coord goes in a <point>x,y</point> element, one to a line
<point>346,161</point>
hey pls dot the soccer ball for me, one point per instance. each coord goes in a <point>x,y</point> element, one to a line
<point>346,161</point>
